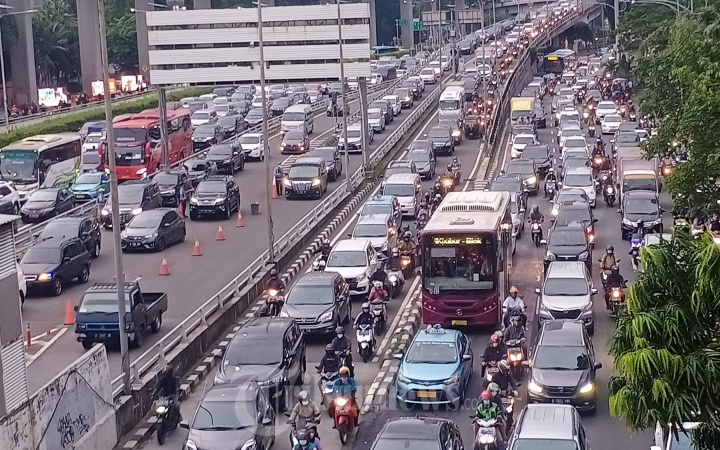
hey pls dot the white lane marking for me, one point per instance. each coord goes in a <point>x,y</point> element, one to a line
<point>390,330</point>
<point>31,358</point>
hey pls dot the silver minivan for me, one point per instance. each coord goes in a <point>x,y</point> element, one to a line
<point>407,187</point>
<point>566,293</point>
<point>548,426</point>
<point>297,117</point>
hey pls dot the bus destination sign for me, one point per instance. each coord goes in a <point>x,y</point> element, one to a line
<point>457,240</point>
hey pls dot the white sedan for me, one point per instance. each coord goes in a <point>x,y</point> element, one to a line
<point>428,76</point>
<point>604,108</point>
<point>520,142</point>
<point>611,123</point>
<point>396,103</point>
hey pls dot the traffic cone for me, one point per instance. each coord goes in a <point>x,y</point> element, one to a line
<point>181,210</point>
<point>164,270</point>
<point>196,249</point>
<point>69,314</point>
<point>240,222</point>
<point>220,235</point>
<point>275,192</point>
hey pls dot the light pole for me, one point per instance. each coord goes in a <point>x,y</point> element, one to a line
<point>344,103</point>
<point>117,249</point>
<point>397,29</point>
<point>2,61</point>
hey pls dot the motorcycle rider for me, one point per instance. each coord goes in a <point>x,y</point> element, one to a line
<point>495,351</point>
<point>330,362</point>
<point>455,164</point>
<point>304,441</point>
<point>422,218</point>
<point>715,224</point>
<point>608,260</point>
<point>514,302</point>
<point>377,292</point>
<point>497,395</point>
<point>614,280</point>
<point>537,216</point>
<point>426,196</point>
<point>599,148</point>
<point>343,347</point>
<point>639,231</point>
<point>275,283</point>
<point>503,379</point>
<point>395,263</point>
<point>436,202</point>
<point>407,246</point>
<point>515,331</point>
<point>550,180</point>
<point>487,409</point>
<point>379,276</point>
<point>344,386</point>
<point>324,249</point>
<point>365,317</point>
<point>305,409</point>
<point>437,187</point>
<point>169,386</point>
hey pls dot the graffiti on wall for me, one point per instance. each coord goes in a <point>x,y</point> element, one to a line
<point>71,428</point>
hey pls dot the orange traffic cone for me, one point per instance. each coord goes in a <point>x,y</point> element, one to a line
<point>240,222</point>
<point>196,249</point>
<point>220,235</point>
<point>181,210</point>
<point>275,192</point>
<point>69,314</point>
<point>164,270</point>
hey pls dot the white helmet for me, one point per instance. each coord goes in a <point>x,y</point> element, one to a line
<point>377,284</point>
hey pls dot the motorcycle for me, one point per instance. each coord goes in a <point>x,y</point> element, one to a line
<point>591,130</point>
<point>617,300</point>
<point>598,161</point>
<point>536,232</point>
<point>666,169</point>
<point>301,424</point>
<point>406,262</point>
<point>168,418</point>
<point>396,284</point>
<point>635,244</point>
<point>487,437</point>
<point>448,184</point>
<point>516,357</point>
<point>609,195</point>
<point>326,381</point>
<point>604,273</point>
<point>378,311</point>
<point>697,231</point>
<point>365,340</point>
<point>345,417</point>
<point>491,369</point>
<point>346,361</point>
<point>273,304</point>
<point>318,265</point>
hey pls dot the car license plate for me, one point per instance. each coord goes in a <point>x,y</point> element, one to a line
<point>426,394</point>
<point>459,322</point>
<point>34,216</point>
<point>80,196</point>
<point>562,401</point>
<point>134,244</point>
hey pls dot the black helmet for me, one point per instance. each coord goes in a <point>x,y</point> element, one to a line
<point>302,436</point>
<point>326,242</point>
<point>339,330</point>
<point>610,249</point>
<point>615,270</point>
<point>536,208</point>
<point>329,349</point>
<point>273,273</point>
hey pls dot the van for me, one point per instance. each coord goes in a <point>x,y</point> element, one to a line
<point>407,187</point>
<point>549,426</point>
<point>356,261</point>
<point>297,117</point>
<point>521,18</point>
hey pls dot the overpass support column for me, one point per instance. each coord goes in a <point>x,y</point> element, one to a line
<point>89,35</point>
<point>406,27</point>
<point>22,55</point>
<point>373,22</point>
<point>142,41</point>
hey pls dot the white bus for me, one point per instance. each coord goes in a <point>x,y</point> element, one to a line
<point>41,161</point>
<point>452,101</point>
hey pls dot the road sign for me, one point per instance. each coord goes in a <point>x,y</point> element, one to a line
<point>419,26</point>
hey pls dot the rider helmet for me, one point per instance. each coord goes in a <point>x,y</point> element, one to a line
<point>377,284</point>
<point>610,249</point>
<point>438,197</point>
<point>449,167</point>
<point>395,252</point>
<point>340,331</point>
<point>486,396</point>
<point>329,350</point>
<point>365,307</point>
<point>536,208</point>
<point>494,388</point>
<point>304,397</point>
<point>273,273</point>
<point>344,371</point>
<point>513,290</point>
<point>302,437</point>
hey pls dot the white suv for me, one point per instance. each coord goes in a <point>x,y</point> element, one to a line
<point>356,261</point>
<point>9,198</point>
<point>428,76</point>
<point>566,293</point>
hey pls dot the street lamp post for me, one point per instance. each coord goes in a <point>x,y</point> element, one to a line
<point>344,103</point>
<point>2,62</point>
<point>117,249</point>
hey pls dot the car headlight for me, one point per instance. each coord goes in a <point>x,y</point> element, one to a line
<point>532,180</point>
<point>456,133</point>
<point>534,387</point>
<point>452,380</point>
<point>152,236</point>
<point>402,378</point>
<point>45,276</point>
<point>588,388</point>
<point>657,222</point>
<point>284,314</point>
<point>136,211</point>
<point>250,445</point>
<point>554,211</point>
<point>219,200</point>
<point>105,212</point>
<point>160,410</point>
<point>169,192</point>
<point>628,222</point>
<point>326,316</point>
<point>550,256</point>
<point>142,171</point>
<point>316,182</point>
<point>193,200</point>
<point>190,445</point>
<point>584,255</point>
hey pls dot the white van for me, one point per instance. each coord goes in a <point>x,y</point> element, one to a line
<point>452,101</point>
<point>297,117</point>
<point>407,187</point>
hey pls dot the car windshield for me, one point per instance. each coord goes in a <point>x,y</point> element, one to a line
<point>575,142</point>
<point>303,171</point>
<point>643,206</point>
<point>513,185</point>
<point>578,180</point>
<point>399,190</point>
<point>130,196</point>
<point>144,220</point>
<point>91,158</point>
<point>36,255</point>
<point>535,152</point>
<point>224,415</point>
<point>568,215</point>
<point>310,295</point>
<point>613,119</point>
<point>166,179</point>
<point>639,184</point>
<point>255,114</point>
<point>370,230</point>
<point>376,208</point>
<point>89,178</point>
<point>520,168</point>
<point>201,116</point>
<point>627,137</point>
<point>377,114</point>
<point>430,352</point>
<point>55,229</point>
<point>393,170</point>
<point>205,130</point>
<point>295,116</point>
<point>211,187</point>
<point>347,259</point>
<point>198,166</point>
<point>465,267</point>
<point>295,136</point>
<point>561,358</point>
<point>427,72</point>
<point>565,286</point>
<point>353,134</point>
<point>439,133</point>
<point>544,444</point>
<point>607,105</point>
<point>221,108</point>
<point>246,140</point>
<point>524,140</point>
<point>254,353</point>
<point>562,238</point>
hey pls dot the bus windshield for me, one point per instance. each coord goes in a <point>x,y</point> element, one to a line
<point>18,165</point>
<point>449,105</point>
<point>129,156</point>
<point>460,266</point>
<point>131,134</point>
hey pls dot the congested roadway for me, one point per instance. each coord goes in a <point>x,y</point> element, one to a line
<point>191,282</point>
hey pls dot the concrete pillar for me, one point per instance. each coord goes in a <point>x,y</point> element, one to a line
<point>373,23</point>
<point>22,55</point>
<point>202,4</point>
<point>406,19</point>
<point>142,40</point>
<point>89,34</point>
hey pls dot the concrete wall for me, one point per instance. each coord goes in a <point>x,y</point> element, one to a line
<point>72,411</point>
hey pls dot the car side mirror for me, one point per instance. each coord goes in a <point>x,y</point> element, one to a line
<point>619,211</point>
<point>598,365</point>
<point>595,220</point>
<point>185,424</point>
<point>543,241</point>
<point>467,357</point>
<point>75,308</point>
<point>594,291</point>
<point>537,291</point>
<point>399,355</point>
<point>66,258</point>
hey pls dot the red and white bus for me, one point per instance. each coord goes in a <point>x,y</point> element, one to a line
<point>466,259</point>
<point>137,142</point>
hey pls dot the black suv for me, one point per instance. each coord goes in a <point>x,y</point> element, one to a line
<point>228,157</point>
<point>85,228</point>
<point>269,351</point>
<point>577,212</point>
<point>215,195</point>
<point>319,302</point>
<point>563,365</point>
<point>207,135</point>
<point>568,243</point>
<point>170,183</point>
<point>429,433</point>
<point>49,264</point>
<point>307,177</point>
<point>333,162</point>
<point>134,197</point>
<point>541,155</point>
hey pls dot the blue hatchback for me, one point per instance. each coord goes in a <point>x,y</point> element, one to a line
<point>383,204</point>
<point>436,368</point>
<point>91,186</point>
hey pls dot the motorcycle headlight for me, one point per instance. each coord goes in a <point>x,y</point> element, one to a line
<point>326,316</point>
<point>316,182</point>
<point>160,410</point>
<point>272,293</point>
<point>393,278</point>
<point>340,401</point>
<point>456,133</point>
<point>554,211</point>
<point>616,294</point>
<point>136,211</point>
<point>105,212</point>
<point>534,387</point>
<point>587,388</point>
<point>610,190</point>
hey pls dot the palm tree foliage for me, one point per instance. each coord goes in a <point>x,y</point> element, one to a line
<point>55,32</point>
<point>667,356</point>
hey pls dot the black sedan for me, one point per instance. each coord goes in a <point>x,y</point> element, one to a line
<point>568,243</point>
<point>227,157</point>
<point>85,228</point>
<point>231,125</point>
<point>295,142</point>
<point>541,155</point>
<point>442,140</point>
<point>46,203</point>
<point>215,195</point>
<point>207,135</point>
<point>279,106</point>
<point>170,183</point>
<point>153,230</point>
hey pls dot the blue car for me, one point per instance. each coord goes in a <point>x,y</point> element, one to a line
<point>91,186</point>
<point>383,204</point>
<point>436,368</point>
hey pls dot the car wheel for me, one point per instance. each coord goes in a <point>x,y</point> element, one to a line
<point>156,324</point>
<point>84,275</point>
<point>242,164</point>
<point>183,232</point>
<point>57,286</point>
<point>96,250</point>
<point>160,245</point>
<point>228,213</point>
<point>22,298</point>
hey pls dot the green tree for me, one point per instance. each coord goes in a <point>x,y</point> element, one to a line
<point>665,347</point>
<point>642,21</point>
<point>55,32</point>
<point>121,34</point>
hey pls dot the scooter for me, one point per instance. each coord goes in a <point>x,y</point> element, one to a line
<point>325,383</point>
<point>536,232</point>
<point>168,418</point>
<point>378,311</point>
<point>396,283</point>
<point>609,195</point>
<point>345,417</point>
<point>487,437</point>
<point>273,304</point>
<point>617,300</point>
<point>516,356</point>
<point>309,427</point>
<point>318,265</point>
<point>591,131</point>
<point>491,369</point>
<point>635,244</point>
<point>406,262</point>
<point>366,341</point>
